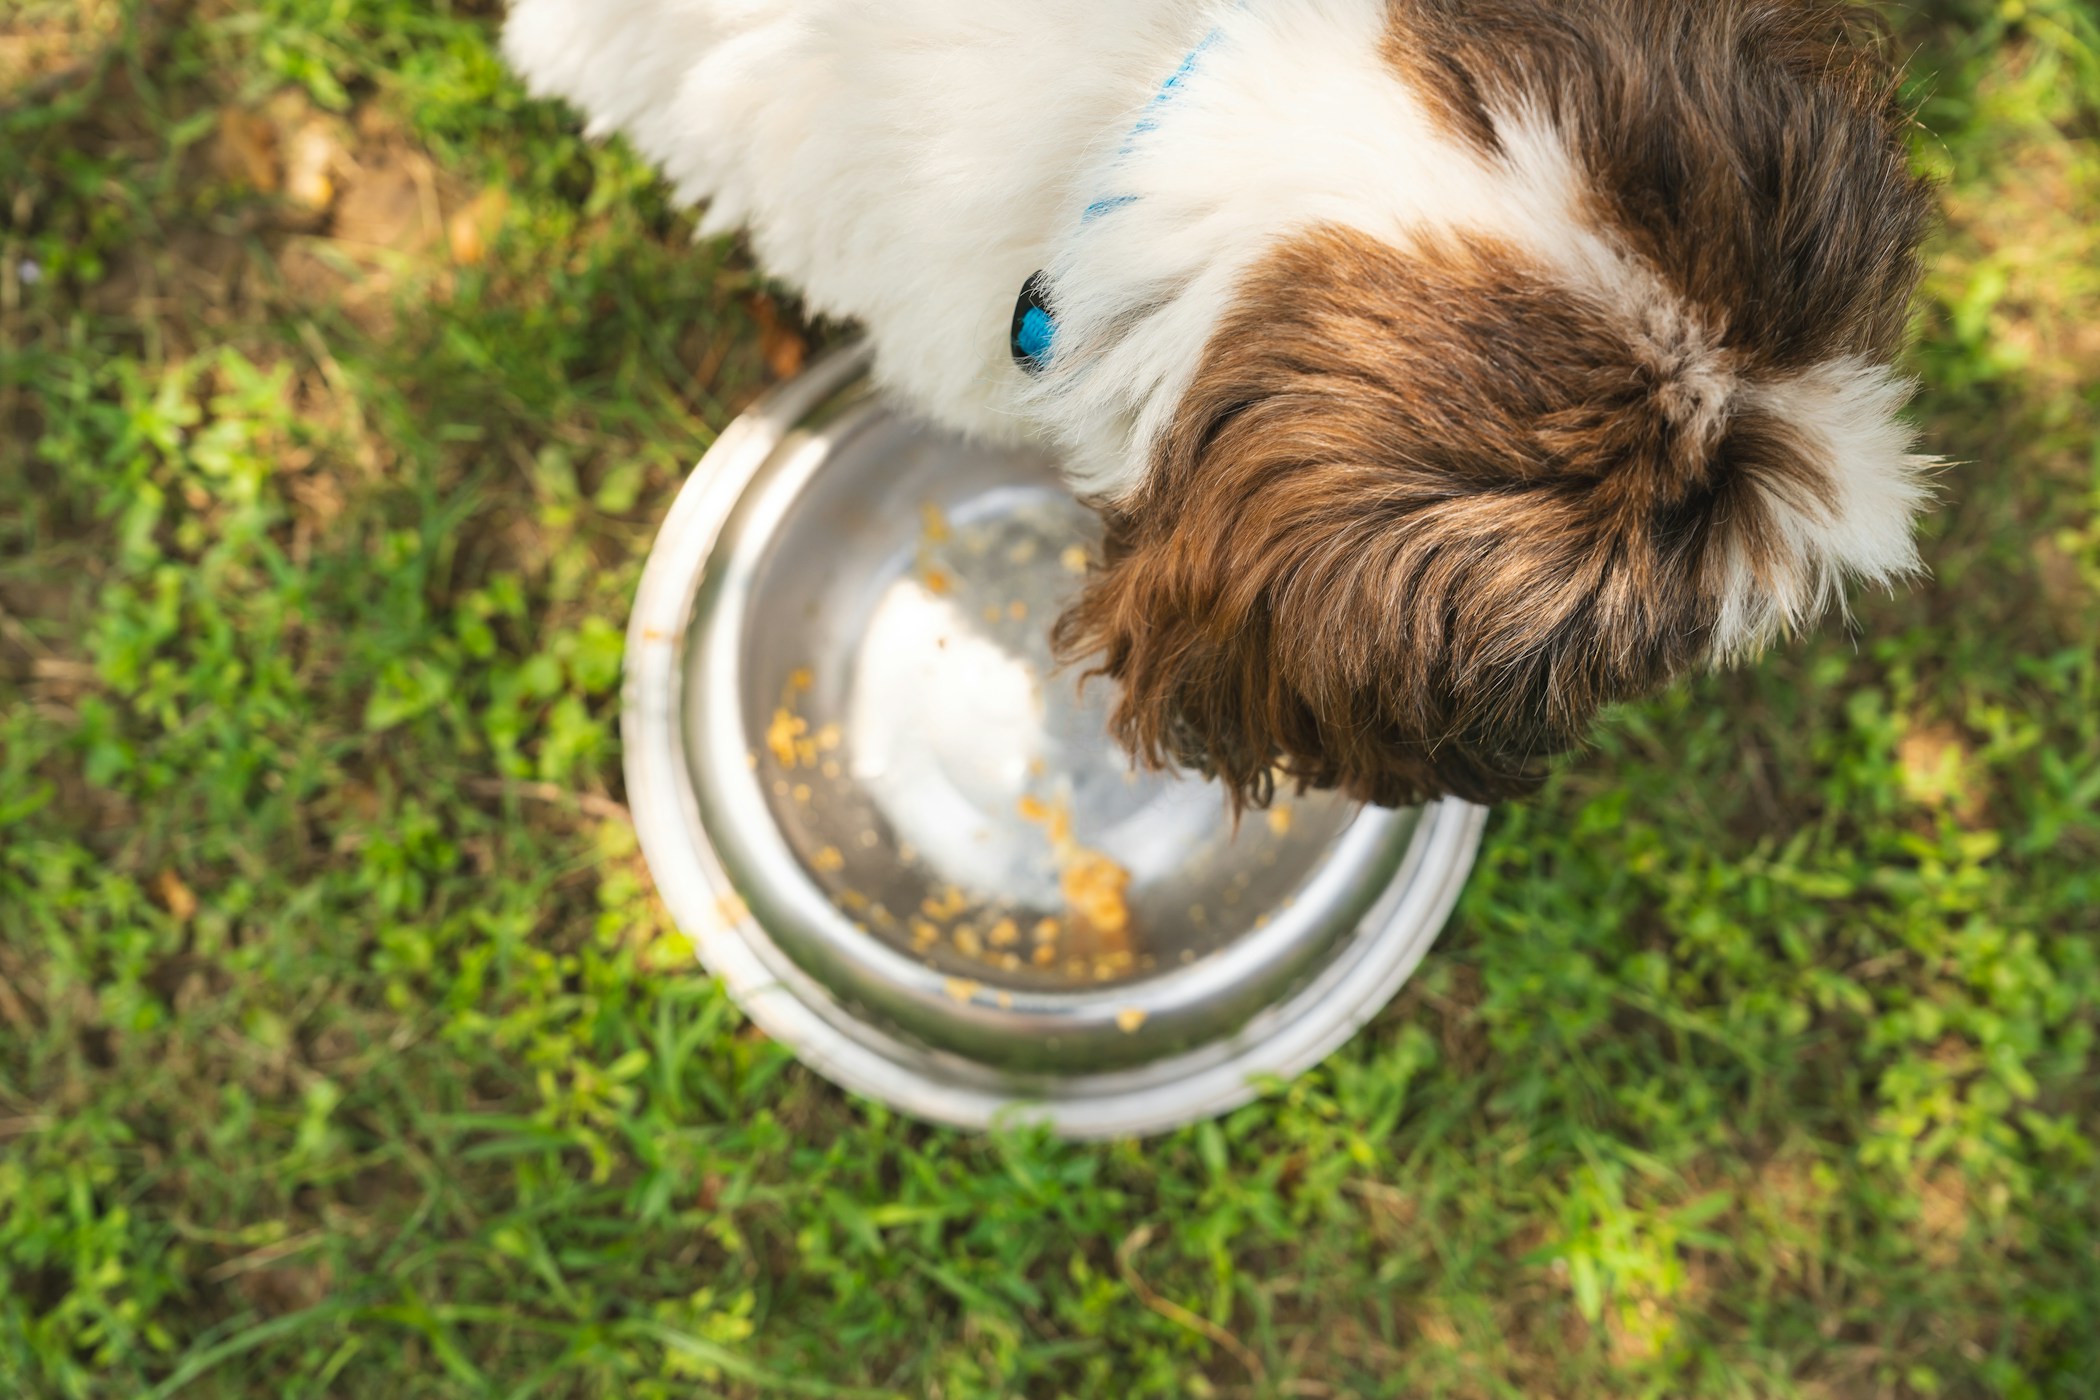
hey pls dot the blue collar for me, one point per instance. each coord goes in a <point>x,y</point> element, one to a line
<point>1034,329</point>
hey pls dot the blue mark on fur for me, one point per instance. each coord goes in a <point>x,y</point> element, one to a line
<point>1107,205</point>
<point>1175,80</point>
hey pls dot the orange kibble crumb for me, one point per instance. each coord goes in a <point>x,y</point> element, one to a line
<point>782,734</point>
<point>950,902</point>
<point>1093,886</point>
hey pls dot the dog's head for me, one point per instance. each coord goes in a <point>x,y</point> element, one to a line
<point>1610,402</point>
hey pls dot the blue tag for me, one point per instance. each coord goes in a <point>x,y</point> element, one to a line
<point>1034,328</point>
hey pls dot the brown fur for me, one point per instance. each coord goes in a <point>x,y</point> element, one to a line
<point>1425,511</point>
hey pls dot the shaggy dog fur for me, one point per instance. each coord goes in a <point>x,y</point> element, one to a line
<point>1445,370</point>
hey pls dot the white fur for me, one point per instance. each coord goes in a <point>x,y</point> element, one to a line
<point>1847,411</point>
<point>908,164</point>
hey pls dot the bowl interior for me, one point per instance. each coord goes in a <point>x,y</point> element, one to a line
<point>953,793</point>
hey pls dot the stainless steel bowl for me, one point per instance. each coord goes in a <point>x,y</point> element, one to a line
<point>905,842</point>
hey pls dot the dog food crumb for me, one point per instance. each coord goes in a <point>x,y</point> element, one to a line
<point>950,902</point>
<point>852,899</point>
<point>869,840</point>
<point>1129,1019</point>
<point>828,861</point>
<point>937,583</point>
<point>830,737</point>
<point>782,733</point>
<point>1074,559</point>
<point>800,680</point>
<point>1017,610</point>
<point>1046,930</point>
<point>803,792</point>
<point>961,988</point>
<point>1004,934</point>
<point>923,935</point>
<point>968,943</point>
<point>1280,820</point>
<point>1044,954</point>
<point>1093,887</point>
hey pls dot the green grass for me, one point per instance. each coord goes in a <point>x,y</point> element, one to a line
<point>344,1051</point>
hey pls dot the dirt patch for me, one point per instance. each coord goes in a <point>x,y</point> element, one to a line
<point>42,40</point>
<point>1936,771</point>
<point>1943,1217</point>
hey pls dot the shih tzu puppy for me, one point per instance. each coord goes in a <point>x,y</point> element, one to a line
<point>1445,370</point>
